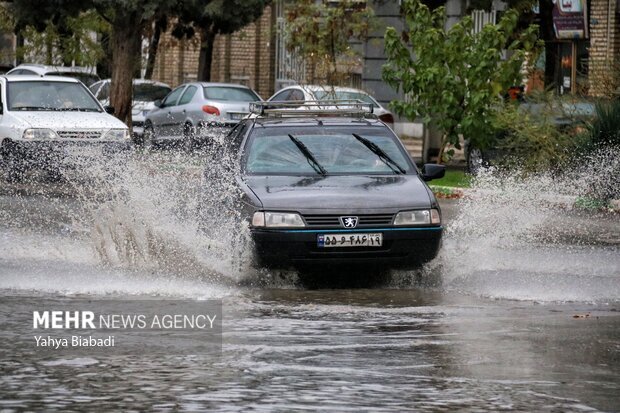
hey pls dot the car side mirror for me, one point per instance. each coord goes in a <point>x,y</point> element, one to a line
<point>432,171</point>
<point>157,103</point>
<point>109,109</point>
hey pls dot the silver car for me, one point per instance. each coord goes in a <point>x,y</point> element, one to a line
<point>145,93</point>
<point>316,92</point>
<point>192,109</point>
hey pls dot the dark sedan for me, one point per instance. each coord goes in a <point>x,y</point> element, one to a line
<point>334,187</point>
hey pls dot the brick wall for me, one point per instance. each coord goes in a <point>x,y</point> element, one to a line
<point>177,60</point>
<point>604,55</point>
<point>247,56</point>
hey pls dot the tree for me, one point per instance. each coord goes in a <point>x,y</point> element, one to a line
<point>321,33</point>
<point>454,77</point>
<point>66,42</point>
<point>127,20</point>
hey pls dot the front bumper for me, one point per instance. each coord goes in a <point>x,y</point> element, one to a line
<point>405,248</point>
<point>45,152</point>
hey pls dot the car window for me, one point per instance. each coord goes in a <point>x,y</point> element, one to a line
<point>23,72</point>
<point>282,96</point>
<point>94,88</point>
<point>172,97</point>
<point>45,95</point>
<point>270,150</point>
<point>148,92</point>
<point>188,95</point>
<point>341,95</point>
<point>86,78</point>
<point>296,94</point>
<point>104,92</point>
<point>236,94</point>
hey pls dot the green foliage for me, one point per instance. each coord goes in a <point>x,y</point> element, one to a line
<point>455,178</point>
<point>605,128</point>
<point>321,33</point>
<point>454,77</point>
<point>7,22</point>
<point>531,140</point>
<point>76,43</point>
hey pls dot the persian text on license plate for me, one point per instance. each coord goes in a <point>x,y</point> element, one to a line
<point>236,115</point>
<point>350,240</point>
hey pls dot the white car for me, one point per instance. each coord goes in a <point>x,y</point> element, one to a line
<point>316,92</point>
<point>44,119</point>
<point>83,74</point>
<point>145,93</point>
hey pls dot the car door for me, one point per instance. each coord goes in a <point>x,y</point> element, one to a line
<point>182,112</point>
<point>162,118</point>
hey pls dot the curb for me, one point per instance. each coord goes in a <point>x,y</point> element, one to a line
<point>613,206</point>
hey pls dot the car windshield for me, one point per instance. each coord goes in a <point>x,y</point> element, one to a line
<point>146,92</point>
<point>342,95</point>
<point>86,78</point>
<point>235,94</point>
<point>50,96</point>
<point>276,151</point>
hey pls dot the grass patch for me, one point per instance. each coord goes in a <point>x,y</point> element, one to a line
<point>454,177</point>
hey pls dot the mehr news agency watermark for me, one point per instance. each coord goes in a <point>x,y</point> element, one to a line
<point>126,325</point>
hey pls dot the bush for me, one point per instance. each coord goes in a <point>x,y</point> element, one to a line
<point>530,139</point>
<point>605,128</point>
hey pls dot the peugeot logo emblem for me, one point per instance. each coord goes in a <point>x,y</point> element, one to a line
<point>349,222</point>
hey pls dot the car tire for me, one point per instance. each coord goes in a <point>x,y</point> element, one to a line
<point>12,165</point>
<point>189,132</point>
<point>475,160</point>
<point>147,137</point>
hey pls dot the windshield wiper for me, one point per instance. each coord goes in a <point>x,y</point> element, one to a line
<point>77,110</point>
<point>29,108</point>
<point>311,159</point>
<point>394,166</point>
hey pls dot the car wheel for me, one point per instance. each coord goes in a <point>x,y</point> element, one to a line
<point>475,160</point>
<point>12,164</point>
<point>147,137</point>
<point>188,137</point>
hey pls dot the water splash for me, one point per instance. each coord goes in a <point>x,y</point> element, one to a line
<point>519,236</point>
<point>158,212</point>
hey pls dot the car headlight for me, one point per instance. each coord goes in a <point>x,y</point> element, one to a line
<point>417,217</point>
<point>39,133</point>
<point>277,220</point>
<point>117,134</point>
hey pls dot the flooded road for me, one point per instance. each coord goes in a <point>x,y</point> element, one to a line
<point>520,312</point>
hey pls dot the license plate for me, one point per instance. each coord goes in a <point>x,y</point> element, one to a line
<point>349,240</point>
<point>237,116</point>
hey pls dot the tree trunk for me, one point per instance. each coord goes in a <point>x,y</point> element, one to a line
<point>160,25</point>
<point>125,42</point>
<point>547,34</point>
<point>207,38</point>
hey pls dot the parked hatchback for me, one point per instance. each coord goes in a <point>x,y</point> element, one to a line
<point>83,74</point>
<point>189,111</point>
<point>333,187</point>
<point>43,120</point>
<point>318,93</point>
<point>145,94</point>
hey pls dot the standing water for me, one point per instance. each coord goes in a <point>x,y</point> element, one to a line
<point>523,315</point>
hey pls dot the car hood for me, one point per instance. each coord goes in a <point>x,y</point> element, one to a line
<point>357,192</point>
<point>69,120</point>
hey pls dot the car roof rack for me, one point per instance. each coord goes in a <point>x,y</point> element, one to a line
<point>312,108</point>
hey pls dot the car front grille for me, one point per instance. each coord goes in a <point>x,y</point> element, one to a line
<point>79,134</point>
<point>333,221</point>
<point>137,124</point>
